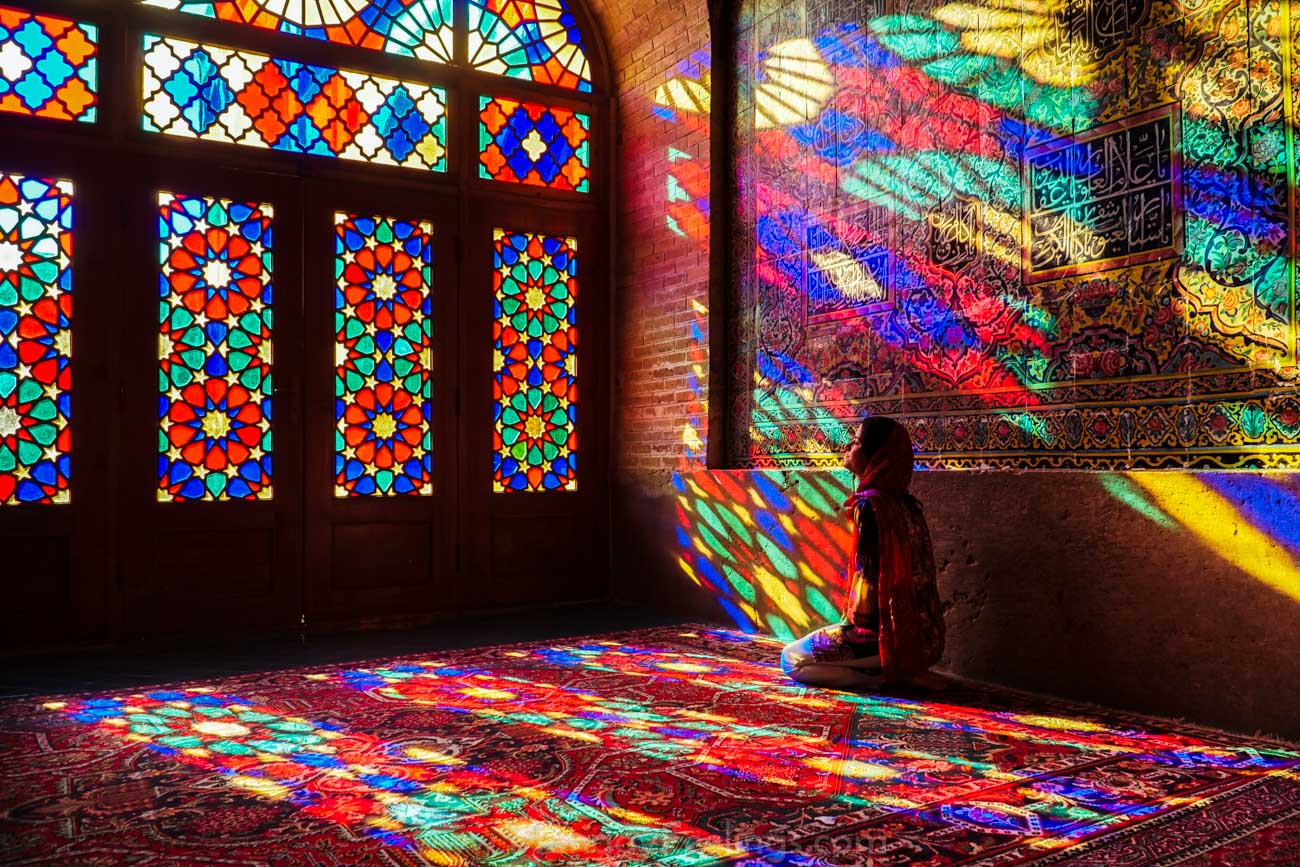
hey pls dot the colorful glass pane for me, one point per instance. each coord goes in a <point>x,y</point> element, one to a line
<point>48,66</point>
<point>413,28</point>
<point>223,95</point>
<point>529,143</point>
<point>535,388</point>
<point>382,272</point>
<point>536,40</point>
<point>35,338</point>
<point>214,349</point>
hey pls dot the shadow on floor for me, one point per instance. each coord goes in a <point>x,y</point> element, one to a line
<point>145,666</point>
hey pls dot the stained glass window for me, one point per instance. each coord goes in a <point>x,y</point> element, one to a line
<point>219,94</point>
<point>48,66</point>
<point>35,338</point>
<point>382,272</point>
<point>214,349</point>
<point>414,28</point>
<point>534,144</point>
<point>536,40</point>
<point>534,388</point>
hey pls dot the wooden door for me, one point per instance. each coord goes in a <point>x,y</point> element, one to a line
<point>380,489</point>
<point>55,395</point>
<point>534,327</point>
<point>209,479</point>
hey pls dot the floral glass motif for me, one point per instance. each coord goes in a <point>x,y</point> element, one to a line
<point>224,95</point>
<point>382,320</point>
<point>413,28</point>
<point>36,218</point>
<point>536,40</point>
<point>48,66</point>
<point>214,349</point>
<point>534,387</point>
<point>528,143</point>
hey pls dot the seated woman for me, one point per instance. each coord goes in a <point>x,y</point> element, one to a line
<point>893,623</point>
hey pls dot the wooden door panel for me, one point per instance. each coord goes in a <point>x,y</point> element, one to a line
<point>379,546</point>
<point>188,560</point>
<point>535,546</point>
<point>56,577</point>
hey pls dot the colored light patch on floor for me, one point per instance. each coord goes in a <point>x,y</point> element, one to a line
<point>674,746</point>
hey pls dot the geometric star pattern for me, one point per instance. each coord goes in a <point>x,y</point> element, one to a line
<point>382,388</point>
<point>412,28</point>
<point>535,391</point>
<point>214,349</point>
<point>36,220</point>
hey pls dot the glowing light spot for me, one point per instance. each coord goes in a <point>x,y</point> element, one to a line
<point>9,421</point>
<point>793,84</point>
<point>436,757</point>
<point>543,835</point>
<point>216,273</point>
<point>1052,722</point>
<point>260,786</point>
<point>221,729</point>
<point>384,286</point>
<point>11,255</point>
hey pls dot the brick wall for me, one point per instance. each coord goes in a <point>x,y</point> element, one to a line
<point>661,254</point>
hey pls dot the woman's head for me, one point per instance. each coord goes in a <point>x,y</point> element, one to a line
<point>874,435</point>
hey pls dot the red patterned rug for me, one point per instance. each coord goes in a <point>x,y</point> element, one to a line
<point>680,746</point>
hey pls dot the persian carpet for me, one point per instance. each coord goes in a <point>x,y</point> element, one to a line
<point>670,746</point>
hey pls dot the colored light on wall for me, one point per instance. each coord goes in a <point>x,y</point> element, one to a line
<point>1219,525</point>
<point>535,394</point>
<point>239,97</point>
<point>413,28</point>
<point>1048,236</point>
<point>529,143</point>
<point>215,302</point>
<point>382,388</point>
<point>48,66</point>
<point>771,547</point>
<point>792,85</point>
<point>534,40</point>
<point>36,225</point>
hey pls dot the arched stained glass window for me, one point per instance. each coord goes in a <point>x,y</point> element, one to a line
<point>532,40</point>
<point>412,28</point>
<point>400,124</point>
<point>536,40</point>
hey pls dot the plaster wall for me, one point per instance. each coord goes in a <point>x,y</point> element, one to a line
<point>1050,581</point>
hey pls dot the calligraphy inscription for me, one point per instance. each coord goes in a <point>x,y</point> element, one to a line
<point>848,264</point>
<point>953,239</point>
<point>1085,34</point>
<point>1110,198</point>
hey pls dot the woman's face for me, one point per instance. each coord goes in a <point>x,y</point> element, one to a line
<point>855,459</point>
